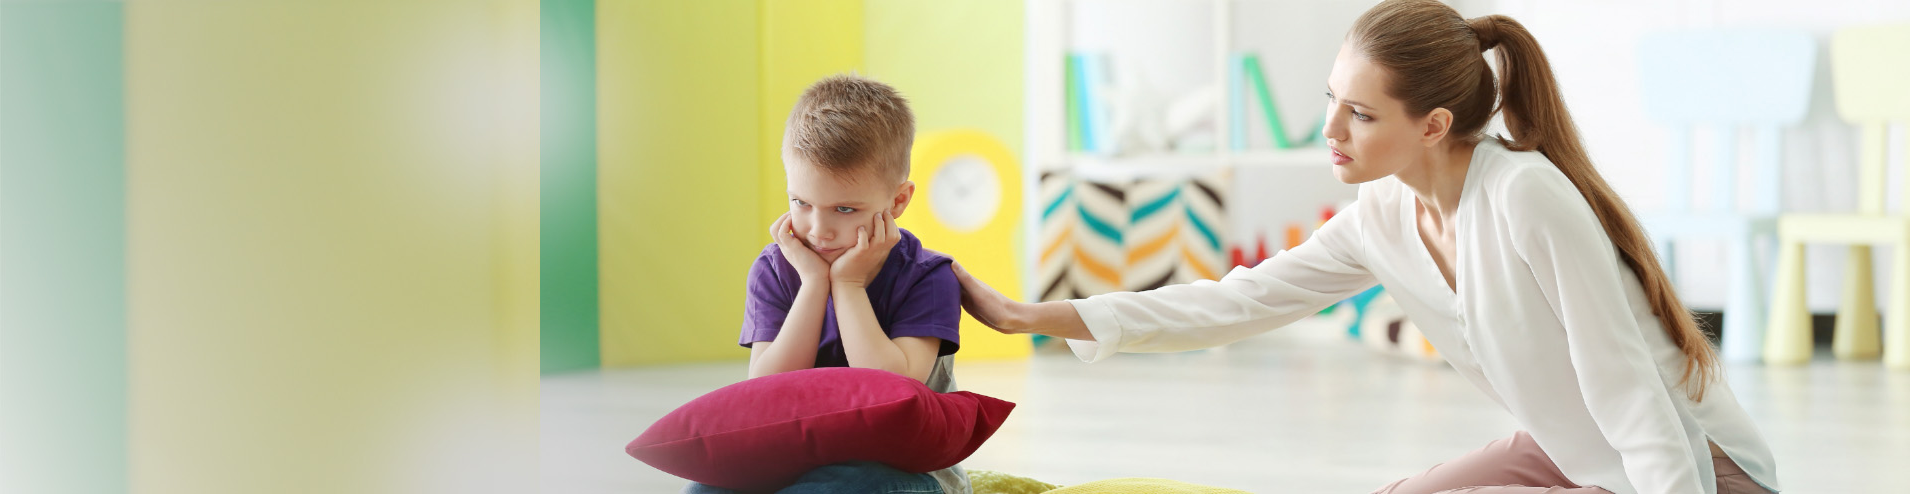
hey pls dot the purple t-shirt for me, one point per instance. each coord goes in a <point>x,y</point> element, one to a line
<point>915,295</point>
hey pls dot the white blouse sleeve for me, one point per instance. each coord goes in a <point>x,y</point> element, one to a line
<point>1577,269</point>
<point>1206,313</point>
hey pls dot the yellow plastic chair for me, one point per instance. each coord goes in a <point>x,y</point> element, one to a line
<point>1870,74</point>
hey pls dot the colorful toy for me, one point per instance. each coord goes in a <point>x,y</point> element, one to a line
<point>1382,325</point>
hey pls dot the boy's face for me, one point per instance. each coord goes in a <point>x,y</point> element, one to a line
<point>825,210</point>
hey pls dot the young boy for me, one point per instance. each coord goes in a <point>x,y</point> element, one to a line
<point>842,286</point>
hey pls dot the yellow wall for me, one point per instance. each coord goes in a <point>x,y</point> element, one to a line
<point>678,177</point>
<point>515,220</point>
<point>692,101</point>
<point>960,65</point>
<point>802,42</point>
<point>332,246</point>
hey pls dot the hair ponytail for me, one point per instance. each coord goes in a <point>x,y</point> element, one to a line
<point>1434,57</point>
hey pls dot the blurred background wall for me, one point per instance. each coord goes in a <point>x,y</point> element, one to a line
<point>63,219</point>
<point>268,247</point>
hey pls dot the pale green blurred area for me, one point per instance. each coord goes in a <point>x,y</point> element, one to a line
<point>269,246</point>
<point>62,248</point>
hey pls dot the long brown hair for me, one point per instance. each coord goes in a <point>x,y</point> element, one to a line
<point>1434,57</point>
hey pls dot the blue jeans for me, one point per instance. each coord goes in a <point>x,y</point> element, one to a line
<point>860,477</point>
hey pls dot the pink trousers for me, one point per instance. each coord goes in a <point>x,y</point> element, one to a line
<point>1516,465</point>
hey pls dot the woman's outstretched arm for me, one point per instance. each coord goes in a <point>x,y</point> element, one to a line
<point>1203,314</point>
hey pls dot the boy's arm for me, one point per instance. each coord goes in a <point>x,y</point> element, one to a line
<point>863,340</point>
<point>795,346</point>
<point>867,346</point>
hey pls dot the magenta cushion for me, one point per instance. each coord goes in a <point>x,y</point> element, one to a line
<point>766,432</point>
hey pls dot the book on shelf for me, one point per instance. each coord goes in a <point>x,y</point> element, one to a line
<point>1072,95</point>
<point>1250,64</point>
<point>1087,107</point>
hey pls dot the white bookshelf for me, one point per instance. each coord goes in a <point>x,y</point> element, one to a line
<point>1169,165</point>
<point>1189,42</point>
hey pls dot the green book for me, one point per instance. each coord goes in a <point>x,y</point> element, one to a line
<point>1267,106</point>
<point>1073,97</point>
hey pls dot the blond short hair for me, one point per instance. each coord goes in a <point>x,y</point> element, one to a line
<point>851,126</point>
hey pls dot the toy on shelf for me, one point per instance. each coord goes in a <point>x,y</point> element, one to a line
<point>1383,326</point>
<point>1099,236</point>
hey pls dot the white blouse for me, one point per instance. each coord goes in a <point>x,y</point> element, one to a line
<point>1546,320</point>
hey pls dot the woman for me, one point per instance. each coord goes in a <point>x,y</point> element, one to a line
<point>1513,256</point>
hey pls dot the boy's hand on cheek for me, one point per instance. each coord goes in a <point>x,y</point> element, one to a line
<point>809,266</point>
<point>856,267</point>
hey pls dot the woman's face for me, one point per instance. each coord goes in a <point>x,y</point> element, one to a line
<point>1370,133</point>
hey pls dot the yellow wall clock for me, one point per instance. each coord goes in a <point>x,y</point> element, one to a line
<point>969,186</point>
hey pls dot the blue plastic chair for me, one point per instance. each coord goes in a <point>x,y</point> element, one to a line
<point>1731,80</point>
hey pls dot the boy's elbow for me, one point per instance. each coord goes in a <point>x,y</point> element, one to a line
<point>900,370</point>
<point>918,372</point>
<point>755,372</point>
<point>768,366</point>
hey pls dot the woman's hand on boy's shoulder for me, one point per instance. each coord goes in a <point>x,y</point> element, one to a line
<point>986,305</point>
<point>873,242</point>
<point>809,266</point>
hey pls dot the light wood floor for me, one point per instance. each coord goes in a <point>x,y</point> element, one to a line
<point>1300,409</point>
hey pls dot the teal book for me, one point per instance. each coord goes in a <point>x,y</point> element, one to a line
<point>1093,79</point>
<point>1085,70</point>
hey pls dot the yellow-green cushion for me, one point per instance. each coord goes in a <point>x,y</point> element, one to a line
<point>1143,486</point>
<point>988,482</point>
